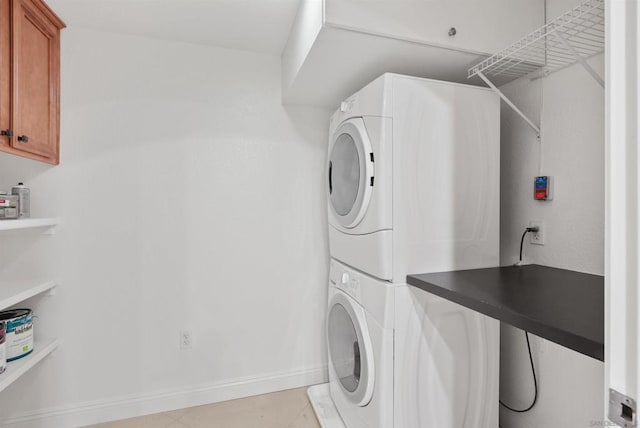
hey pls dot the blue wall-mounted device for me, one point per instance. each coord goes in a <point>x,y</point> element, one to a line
<point>542,190</point>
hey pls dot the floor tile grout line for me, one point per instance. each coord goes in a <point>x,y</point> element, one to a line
<point>171,417</point>
<point>298,415</point>
<point>178,421</point>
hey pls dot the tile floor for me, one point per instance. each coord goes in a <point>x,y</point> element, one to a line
<point>284,409</point>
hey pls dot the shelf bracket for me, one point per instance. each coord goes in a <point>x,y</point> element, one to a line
<point>580,59</point>
<point>50,231</point>
<point>508,102</point>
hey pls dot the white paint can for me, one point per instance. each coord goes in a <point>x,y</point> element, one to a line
<point>19,332</point>
<point>3,347</point>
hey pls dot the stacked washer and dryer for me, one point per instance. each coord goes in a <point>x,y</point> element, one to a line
<point>413,187</point>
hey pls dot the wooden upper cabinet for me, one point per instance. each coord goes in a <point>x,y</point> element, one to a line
<point>5,73</point>
<point>33,99</point>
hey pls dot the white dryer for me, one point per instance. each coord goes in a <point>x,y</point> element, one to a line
<point>413,178</point>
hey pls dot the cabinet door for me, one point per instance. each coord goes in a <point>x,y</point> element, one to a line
<point>36,80</point>
<point>5,71</point>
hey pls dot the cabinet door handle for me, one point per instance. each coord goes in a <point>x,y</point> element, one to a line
<point>23,138</point>
<point>6,133</point>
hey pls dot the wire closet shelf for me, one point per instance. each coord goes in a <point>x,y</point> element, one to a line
<point>572,37</point>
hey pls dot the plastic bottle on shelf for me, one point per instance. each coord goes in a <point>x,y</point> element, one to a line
<point>24,200</point>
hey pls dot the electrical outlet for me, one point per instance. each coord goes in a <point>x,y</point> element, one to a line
<point>537,238</point>
<point>185,339</point>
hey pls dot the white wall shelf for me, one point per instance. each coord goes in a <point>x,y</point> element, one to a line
<point>14,292</point>
<point>28,223</point>
<point>17,368</point>
<point>571,38</point>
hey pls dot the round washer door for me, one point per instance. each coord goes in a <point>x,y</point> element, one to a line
<point>350,349</point>
<point>350,172</point>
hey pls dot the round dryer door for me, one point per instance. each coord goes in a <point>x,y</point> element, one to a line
<point>350,172</point>
<point>350,349</point>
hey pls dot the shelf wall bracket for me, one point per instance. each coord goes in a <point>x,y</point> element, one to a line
<point>50,231</point>
<point>508,102</point>
<point>580,59</point>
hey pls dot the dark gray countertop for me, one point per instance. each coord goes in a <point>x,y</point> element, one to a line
<point>563,306</point>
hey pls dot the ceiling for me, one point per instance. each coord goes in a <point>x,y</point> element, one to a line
<point>254,25</point>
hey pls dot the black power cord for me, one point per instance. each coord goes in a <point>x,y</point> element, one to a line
<point>533,229</point>
<point>535,383</point>
<point>526,335</point>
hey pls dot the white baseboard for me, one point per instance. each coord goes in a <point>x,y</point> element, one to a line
<point>89,413</point>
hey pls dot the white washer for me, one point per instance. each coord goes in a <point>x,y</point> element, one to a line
<point>401,357</point>
<point>446,363</point>
<point>360,346</point>
<point>413,178</point>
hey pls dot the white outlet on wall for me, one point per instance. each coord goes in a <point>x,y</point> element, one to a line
<point>537,238</point>
<point>185,339</point>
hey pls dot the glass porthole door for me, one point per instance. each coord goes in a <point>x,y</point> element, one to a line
<point>350,172</point>
<point>350,350</point>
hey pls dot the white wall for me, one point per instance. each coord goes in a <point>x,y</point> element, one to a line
<point>572,151</point>
<point>190,199</point>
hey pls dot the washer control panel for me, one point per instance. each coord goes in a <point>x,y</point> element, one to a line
<point>346,280</point>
